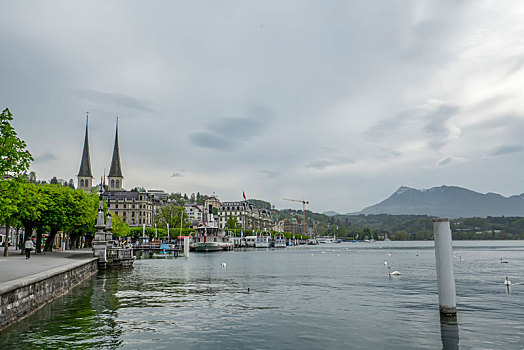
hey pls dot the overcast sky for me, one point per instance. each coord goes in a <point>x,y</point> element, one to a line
<point>336,102</point>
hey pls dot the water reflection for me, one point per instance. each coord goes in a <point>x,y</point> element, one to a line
<point>449,332</point>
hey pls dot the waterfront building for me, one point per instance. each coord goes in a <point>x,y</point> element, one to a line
<point>195,214</point>
<point>134,208</point>
<point>214,202</point>
<point>85,176</point>
<point>248,215</point>
<point>291,226</point>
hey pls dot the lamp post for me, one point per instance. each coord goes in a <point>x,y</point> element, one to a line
<point>167,232</point>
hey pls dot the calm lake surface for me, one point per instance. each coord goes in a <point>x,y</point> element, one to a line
<point>336,296</point>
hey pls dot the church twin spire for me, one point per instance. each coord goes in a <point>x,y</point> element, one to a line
<point>115,178</point>
<point>85,176</point>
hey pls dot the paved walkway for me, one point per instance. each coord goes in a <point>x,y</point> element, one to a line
<point>16,266</point>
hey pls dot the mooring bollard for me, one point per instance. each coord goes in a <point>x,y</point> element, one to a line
<point>186,247</point>
<point>444,258</point>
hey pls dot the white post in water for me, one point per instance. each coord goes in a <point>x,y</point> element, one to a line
<point>444,257</point>
<point>186,247</point>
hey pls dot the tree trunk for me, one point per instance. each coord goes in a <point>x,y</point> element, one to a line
<point>78,241</point>
<point>6,241</point>
<point>50,240</point>
<point>39,232</point>
<point>87,242</point>
<point>73,237</point>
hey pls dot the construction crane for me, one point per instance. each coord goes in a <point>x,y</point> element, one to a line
<point>303,208</point>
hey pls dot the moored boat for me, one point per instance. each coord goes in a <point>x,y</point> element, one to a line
<point>280,241</point>
<point>263,241</point>
<point>210,238</point>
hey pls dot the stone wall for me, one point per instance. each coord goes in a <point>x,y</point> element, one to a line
<point>26,295</point>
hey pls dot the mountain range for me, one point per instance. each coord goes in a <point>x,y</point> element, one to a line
<point>447,201</point>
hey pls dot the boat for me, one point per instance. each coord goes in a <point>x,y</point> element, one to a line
<point>263,241</point>
<point>211,238</point>
<point>165,252</point>
<point>312,241</point>
<point>250,241</point>
<point>280,241</point>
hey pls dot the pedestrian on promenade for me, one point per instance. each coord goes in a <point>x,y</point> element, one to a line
<point>28,246</point>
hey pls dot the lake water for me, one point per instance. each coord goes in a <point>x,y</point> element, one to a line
<point>337,296</point>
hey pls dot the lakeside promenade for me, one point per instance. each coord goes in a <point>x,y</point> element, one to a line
<point>16,266</point>
<point>28,284</point>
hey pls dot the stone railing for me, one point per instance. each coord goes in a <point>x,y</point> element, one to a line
<point>119,254</point>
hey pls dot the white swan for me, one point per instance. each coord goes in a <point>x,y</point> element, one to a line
<point>389,254</point>
<point>224,264</point>
<point>385,263</point>
<point>507,282</point>
<point>394,273</point>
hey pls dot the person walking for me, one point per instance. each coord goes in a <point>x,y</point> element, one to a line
<point>28,246</point>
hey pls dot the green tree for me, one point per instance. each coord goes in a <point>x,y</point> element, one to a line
<point>14,160</point>
<point>232,223</point>
<point>120,228</point>
<point>171,214</point>
<point>30,209</point>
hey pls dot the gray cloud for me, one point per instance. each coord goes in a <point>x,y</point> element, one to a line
<point>269,173</point>
<point>210,140</point>
<point>177,174</point>
<point>114,99</point>
<point>45,157</point>
<point>386,153</point>
<point>505,150</point>
<point>438,125</point>
<point>224,133</point>
<point>322,164</point>
<point>324,66</point>
<point>387,126</point>
<point>449,160</point>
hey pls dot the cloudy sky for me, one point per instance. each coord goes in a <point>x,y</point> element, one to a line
<point>338,102</point>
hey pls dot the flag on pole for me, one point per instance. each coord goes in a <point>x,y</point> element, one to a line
<point>244,195</point>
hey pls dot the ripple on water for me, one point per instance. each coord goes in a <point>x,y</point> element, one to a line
<point>341,299</point>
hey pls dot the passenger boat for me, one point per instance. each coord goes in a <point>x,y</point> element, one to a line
<point>280,241</point>
<point>211,238</point>
<point>263,241</point>
<point>250,241</point>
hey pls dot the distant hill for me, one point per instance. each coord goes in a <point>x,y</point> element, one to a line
<point>447,201</point>
<point>330,213</point>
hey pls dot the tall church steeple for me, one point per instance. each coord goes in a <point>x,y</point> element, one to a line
<point>85,177</point>
<point>115,178</point>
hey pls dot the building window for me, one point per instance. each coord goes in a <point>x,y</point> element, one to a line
<point>117,183</point>
<point>133,206</point>
<point>112,183</point>
<point>124,206</point>
<point>81,183</point>
<point>124,213</point>
<point>133,214</point>
<point>116,206</point>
